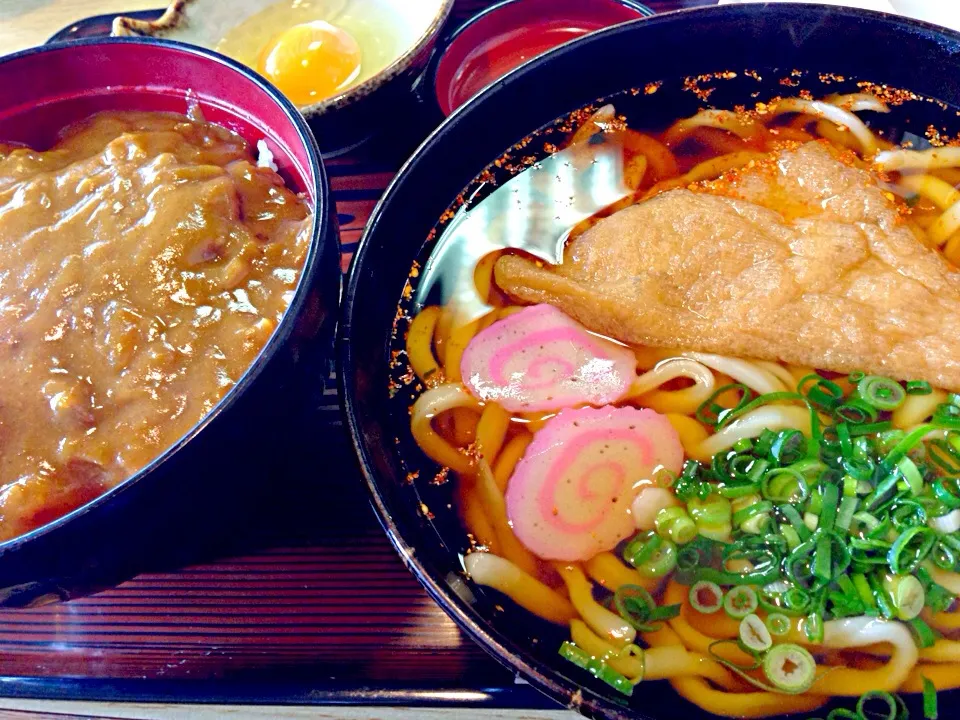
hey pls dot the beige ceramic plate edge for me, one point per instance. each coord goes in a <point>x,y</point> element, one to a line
<point>204,22</point>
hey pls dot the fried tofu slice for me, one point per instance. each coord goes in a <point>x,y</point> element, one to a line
<point>802,259</point>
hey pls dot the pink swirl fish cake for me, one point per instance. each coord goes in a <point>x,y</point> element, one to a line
<point>540,360</point>
<point>569,497</point>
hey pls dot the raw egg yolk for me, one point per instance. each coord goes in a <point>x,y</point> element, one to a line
<point>310,62</point>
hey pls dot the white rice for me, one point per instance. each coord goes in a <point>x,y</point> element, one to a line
<point>264,156</point>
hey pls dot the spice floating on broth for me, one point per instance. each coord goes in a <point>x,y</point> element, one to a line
<point>711,510</point>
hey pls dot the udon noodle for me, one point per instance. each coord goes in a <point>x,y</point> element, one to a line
<point>706,591</point>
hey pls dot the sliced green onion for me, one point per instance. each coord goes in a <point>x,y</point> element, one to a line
<point>673,523</point>
<point>947,415</point>
<point>791,536</point>
<point>740,601</point>
<point>711,413</point>
<point>793,517</point>
<point>714,510</point>
<point>943,556</point>
<point>732,491</point>
<point>910,549</point>
<point>596,667</point>
<point>883,490</point>
<point>908,469</point>
<point>835,524</point>
<point>876,428</point>
<point>907,594</point>
<point>856,412</point>
<point>763,445</point>
<point>749,516</point>
<point>929,699</point>
<point>813,627</point>
<point>880,596</point>
<point>938,598</point>
<point>947,491</point>
<point>843,436</point>
<point>784,485</point>
<point>778,624</point>
<point>942,454</point>
<point>788,447</point>
<point>797,599</point>
<point>661,563</point>
<point>643,547</point>
<point>907,513</point>
<point>635,605</point>
<point>862,464</point>
<point>865,523</point>
<point>881,392</point>
<point>712,515</point>
<point>864,591</point>
<point>848,506</point>
<point>815,503</point>
<point>875,697</point>
<point>790,668</point>
<point>850,486</point>
<point>905,444</point>
<point>919,387</point>
<point>823,558</point>
<point>822,392</point>
<point>923,634</point>
<point>688,558</point>
<point>754,635</point>
<point>760,576</point>
<point>828,513</point>
<point>706,597</point>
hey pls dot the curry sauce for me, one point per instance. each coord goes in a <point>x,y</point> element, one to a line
<point>145,260</point>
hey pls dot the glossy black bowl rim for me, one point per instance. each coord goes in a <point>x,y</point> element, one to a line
<point>321,234</point>
<point>447,39</point>
<point>495,643</point>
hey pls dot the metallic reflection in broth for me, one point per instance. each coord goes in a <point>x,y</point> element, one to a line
<point>534,211</point>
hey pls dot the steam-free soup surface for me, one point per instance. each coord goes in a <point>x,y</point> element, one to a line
<point>144,261</point>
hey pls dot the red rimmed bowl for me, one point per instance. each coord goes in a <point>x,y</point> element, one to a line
<point>185,494</point>
<point>508,34</point>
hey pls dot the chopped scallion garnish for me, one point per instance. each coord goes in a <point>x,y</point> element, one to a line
<point>740,601</point>
<point>883,393</point>
<point>790,668</point>
<point>929,699</point>
<point>706,597</point>
<point>596,667</point>
<point>754,635</point>
<point>635,605</point>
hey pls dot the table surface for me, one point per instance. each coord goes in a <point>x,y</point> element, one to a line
<point>314,605</point>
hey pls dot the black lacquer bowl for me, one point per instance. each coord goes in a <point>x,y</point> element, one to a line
<point>830,49</point>
<point>202,489</point>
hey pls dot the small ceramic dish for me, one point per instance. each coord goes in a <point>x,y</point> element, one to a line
<point>396,38</point>
<point>510,33</point>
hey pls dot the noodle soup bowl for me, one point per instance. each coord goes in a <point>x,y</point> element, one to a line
<point>729,55</point>
<point>191,497</point>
